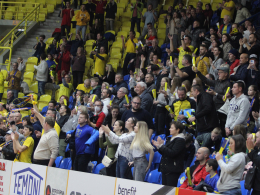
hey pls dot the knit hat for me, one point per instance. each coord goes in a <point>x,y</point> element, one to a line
<point>234,52</point>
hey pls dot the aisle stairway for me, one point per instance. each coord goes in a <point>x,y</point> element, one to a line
<point>46,28</point>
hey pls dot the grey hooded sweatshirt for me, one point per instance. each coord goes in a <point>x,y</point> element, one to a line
<point>231,173</point>
<point>238,112</point>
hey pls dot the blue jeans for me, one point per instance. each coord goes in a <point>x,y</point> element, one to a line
<point>15,92</point>
<point>83,31</point>
<point>121,166</point>
<point>236,191</point>
<point>41,86</point>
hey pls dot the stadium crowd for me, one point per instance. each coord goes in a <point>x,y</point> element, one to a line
<point>183,99</point>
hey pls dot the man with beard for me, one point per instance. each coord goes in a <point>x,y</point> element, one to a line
<point>202,62</point>
<point>253,48</point>
<point>120,99</point>
<point>139,113</point>
<point>105,98</point>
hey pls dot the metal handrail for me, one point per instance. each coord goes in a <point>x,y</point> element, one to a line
<point>7,41</point>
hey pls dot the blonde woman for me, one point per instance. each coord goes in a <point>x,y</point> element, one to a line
<point>140,146</point>
<point>161,113</point>
<point>175,84</point>
<point>109,76</point>
<point>123,153</point>
<point>104,85</point>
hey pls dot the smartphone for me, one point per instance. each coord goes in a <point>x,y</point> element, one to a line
<point>252,61</point>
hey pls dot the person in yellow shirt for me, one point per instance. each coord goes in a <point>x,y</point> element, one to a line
<point>202,62</point>
<point>185,48</point>
<point>129,47</point>
<point>66,87</point>
<point>24,148</point>
<point>82,18</point>
<point>3,111</point>
<point>2,80</point>
<point>100,61</point>
<point>228,8</point>
<point>86,87</point>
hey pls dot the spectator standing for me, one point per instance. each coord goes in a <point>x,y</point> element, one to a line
<point>111,10</point>
<point>202,61</point>
<point>147,100</point>
<point>42,75</point>
<point>100,9</point>
<point>112,117</point>
<point>226,27</point>
<point>75,44</point>
<point>136,9</point>
<point>39,47</point>
<point>63,61</point>
<point>216,62</point>
<point>150,16</point>
<point>21,67</point>
<point>6,148</point>
<point>91,9</point>
<point>235,36</point>
<point>197,30</point>
<point>242,13</point>
<point>48,146</point>
<point>94,30</point>
<point>120,99</point>
<point>52,49</point>
<point>24,148</point>
<point>231,173</point>
<point>100,61</point>
<point>226,46</point>
<point>140,146</point>
<point>99,116</point>
<point>239,108</point>
<point>228,8</point>
<point>66,15</point>
<point>2,80</point>
<point>174,25</point>
<point>82,18</point>
<point>205,114</point>
<point>14,80</point>
<point>78,67</point>
<point>109,75</point>
<point>123,153</point>
<point>253,48</point>
<point>172,152</point>
<point>129,47</point>
<point>253,148</point>
<point>208,13</point>
<point>96,89</point>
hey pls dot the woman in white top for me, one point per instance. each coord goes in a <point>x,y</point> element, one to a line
<point>231,173</point>
<point>140,146</point>
<point>123,153</point>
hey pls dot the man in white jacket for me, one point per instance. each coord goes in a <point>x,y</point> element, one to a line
<point>105,98</point>
<point>239,108</point>
<point>42,74</point>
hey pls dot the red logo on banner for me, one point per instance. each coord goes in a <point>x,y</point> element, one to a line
<point>2,166</point>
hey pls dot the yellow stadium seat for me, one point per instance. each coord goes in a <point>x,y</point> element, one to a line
<point>53,2</point>
<point>137,34</point>
<point>20,95</point>
<point>88,49</point>
<point>43,101</point>
<point>12,9</point>
<point>35,96</point>
<point>126,29</point>
<point>90,42</point>
<point>4,97</point>
<point>49,40</point>
<point>43,2</point>
<point>161,30</point>
<point>34,87</point>
<point>121,5</point>
<point>161,35</point>
<point>57,95</point>
<point>41,17</point>
<point>144,10</point>
<point>114,65</point>
<point>8,15</point>
<point>161,41</point>
<point>4,73</point>
<point>121,33</point>
<point>162,15</point>
<point>28,5</point>
<point>215,6</point>
<point>128,24</point>
<point>117,44</point>
<point>50,8</point>
<point>120,11</point>
<point>58,2</point>
<point>22,9</point>
<point>162,25</point>
<point>20,16</point>
<point>29,67</point>
<point>48,92</point>
<point>28,77</point>
<point>6,85</point>
<point>32,60</point>
<point>24,113</point>
<point>115,50</point>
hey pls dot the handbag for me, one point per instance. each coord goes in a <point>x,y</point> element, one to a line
<point>106,161</point>
<point>250,178</point>
<point>203,186</point>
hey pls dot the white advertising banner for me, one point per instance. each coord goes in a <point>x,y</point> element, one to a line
<point>89,184</point>
<point>5,175</point>
<point>28,179</point>
<point>130,187</point>
<point>56,182</point>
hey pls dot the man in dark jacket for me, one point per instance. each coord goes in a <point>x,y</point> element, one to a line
<point>7,147</point>
<point>253,154</point>
<point>206,114</point>
<point>119,81</point>
<point>195,34</point>
<point>241,70</point>
<point>146,98</point>
<point>96,89</point>
<point>101,42</point>
<point>159,74</point>
<point>78,42</point>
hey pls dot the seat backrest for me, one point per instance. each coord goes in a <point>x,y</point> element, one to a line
<point>64,163</point>
<point>154,177</point>
<point>157,158</point>
<point>58,161</point>
<point>45,98</point>
<point>181,179</point>
<point>98,168</point>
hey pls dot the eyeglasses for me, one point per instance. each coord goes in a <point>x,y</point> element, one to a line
<point>136,103</point>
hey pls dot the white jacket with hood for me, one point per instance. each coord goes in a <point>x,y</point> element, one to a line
<point>238,112</point>
<point>42,71</point>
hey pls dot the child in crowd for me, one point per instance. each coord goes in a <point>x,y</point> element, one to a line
<point>212,178</point>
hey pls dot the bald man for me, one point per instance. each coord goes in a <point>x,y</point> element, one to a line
<point>18,120</point>
<point>198,169</point>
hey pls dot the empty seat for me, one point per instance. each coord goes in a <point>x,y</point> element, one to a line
<point>8,15</point>
<point>50,8</point>
<point>32,60</point>
<point>34,87</point>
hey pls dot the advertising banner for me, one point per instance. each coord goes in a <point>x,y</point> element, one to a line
<point>27,179</point>
<point>56,182</point>
<point>89,184</point>
<point>5,175</point>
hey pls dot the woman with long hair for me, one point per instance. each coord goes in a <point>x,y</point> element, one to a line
<point>231,173</point>
<point>253,95</point>
<point>118,129</point>
<point>112,117</point>
<point>208,13</point>
<point>162,100</point>
<point>187,86</point>
<point>140,146</point>
<point>123,153</point>
<point>109,75</point>
<point>217,62</point>
<point>173,153</point>
<point>226,45</point>
<point>53,49</point>
<point>175,84</point>
<point>174,25</point>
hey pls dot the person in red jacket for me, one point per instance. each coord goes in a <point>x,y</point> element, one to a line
<point>100,9</point>
<point>198,171</point>
<point>66,15</point>
<point>233,62</point>
<point>63,61</point>
<point>97,120</point>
